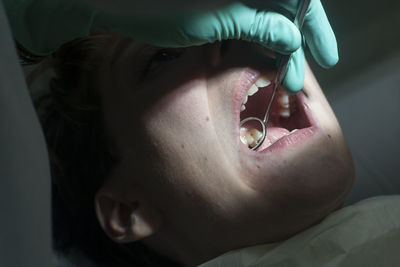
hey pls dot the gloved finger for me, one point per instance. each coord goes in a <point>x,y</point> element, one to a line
<point>294,78</point>
<point>274,31</point>
<point>239,21</point>
<point>319,35</point>
<point>236,21</point>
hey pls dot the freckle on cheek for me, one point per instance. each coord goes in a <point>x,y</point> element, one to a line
<point>182,146</point>
<point>329,136</point>
<point>207,118</point>
<point>205,158</point>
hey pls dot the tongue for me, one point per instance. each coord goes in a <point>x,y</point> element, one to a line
<point>273,135</point>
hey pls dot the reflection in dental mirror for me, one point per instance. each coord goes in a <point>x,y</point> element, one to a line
<point>250,134</point>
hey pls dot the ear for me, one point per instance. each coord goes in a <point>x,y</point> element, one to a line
<point>126,220</point>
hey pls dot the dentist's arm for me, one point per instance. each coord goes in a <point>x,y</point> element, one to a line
<point>317,31</point>
<point>42,26</point>
<point>259,21</point>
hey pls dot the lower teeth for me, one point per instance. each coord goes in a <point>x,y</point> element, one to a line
<point>250,137</point>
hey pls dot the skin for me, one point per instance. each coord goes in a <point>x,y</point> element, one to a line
<point>185,185</point>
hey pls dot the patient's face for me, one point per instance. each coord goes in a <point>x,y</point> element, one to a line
<point>174,118</point>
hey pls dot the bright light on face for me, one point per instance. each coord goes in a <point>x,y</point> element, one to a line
<point>174,116</point>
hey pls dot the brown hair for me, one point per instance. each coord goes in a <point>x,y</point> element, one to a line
<point>71,117</point>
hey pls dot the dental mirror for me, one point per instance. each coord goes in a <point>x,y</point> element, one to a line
<point>283,65</point>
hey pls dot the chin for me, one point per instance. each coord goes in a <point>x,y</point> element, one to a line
<point>304,166</point>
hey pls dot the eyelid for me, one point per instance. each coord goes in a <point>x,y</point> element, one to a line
<point>177,52</point>
<point>174,51</point>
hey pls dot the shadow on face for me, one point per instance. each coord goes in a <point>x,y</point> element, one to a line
<point>185,184</point>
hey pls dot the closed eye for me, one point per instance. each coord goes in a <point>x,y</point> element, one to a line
<point>161,59</point>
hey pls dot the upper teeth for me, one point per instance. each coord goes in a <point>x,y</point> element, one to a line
<point>282,97</point>
<point>245,99</point>
<point>253,89</point>
<point>283,100</point>
<point>262,82</point>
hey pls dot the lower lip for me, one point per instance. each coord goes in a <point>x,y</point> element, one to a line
<point>291,139</point>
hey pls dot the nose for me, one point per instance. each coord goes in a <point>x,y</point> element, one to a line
<point>225,45</point>
<point>215,53</point>
<point>222,51</point>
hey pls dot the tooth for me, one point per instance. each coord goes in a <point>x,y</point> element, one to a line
<point>253,89</point>
<point>245,100</point>
<point>262,82</point>
<point>253,137</point>
<point>295,130</point>
<point>243,140</point>
<point>283,99</point>
<point>284,112</point>
<point>249,139</point>
<point>243,107</point>
<point>256,134</point>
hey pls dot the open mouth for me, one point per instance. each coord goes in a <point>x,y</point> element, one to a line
<point>288,113</point>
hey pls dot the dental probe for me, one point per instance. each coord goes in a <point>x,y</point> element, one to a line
<point>282,68</point>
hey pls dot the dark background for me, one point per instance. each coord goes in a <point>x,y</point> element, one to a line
<point>364,90</point>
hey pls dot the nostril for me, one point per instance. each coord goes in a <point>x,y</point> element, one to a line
<point>217,52</point>
<point>224,47</point>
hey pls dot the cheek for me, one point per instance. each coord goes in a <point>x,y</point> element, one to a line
<point>178,116</point>
<point>320,173</point>
<point>179,130</point>
<point>313,176</point>
<point>181,133</point>
<point>317,179</point>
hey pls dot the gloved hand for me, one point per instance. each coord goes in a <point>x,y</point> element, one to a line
<point>42,26</point>
<point>236,21</point>
<point>317,32</point>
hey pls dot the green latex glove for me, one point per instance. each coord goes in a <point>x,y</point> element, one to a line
<point>236,21</point>
<point>42,26</point>
<point>318,35</point>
